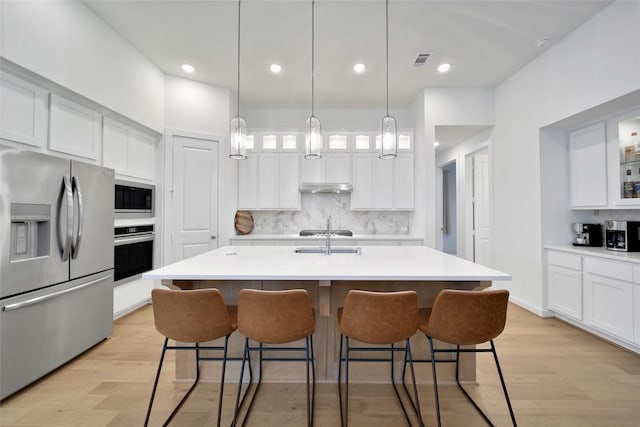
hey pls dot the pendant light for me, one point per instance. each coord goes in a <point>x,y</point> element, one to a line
<point>238,139</point>
<point>388,129</point>
<point>313,132</point>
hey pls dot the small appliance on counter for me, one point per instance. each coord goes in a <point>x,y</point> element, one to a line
<point>622,236</point>
<point>587,235</point>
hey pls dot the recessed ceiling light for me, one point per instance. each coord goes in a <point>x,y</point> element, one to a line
<point>188,68</point>
<point>359,68</point>
<point>275,68</point>
<point>444,68</point>
<point>436,144</point>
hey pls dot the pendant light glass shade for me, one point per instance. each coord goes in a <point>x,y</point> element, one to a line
<point>389,129</point>
<point>238,137</point>
<point>238,149</point>
<point>389,137</point>
<point>313,132</point>
<point>313,139</point>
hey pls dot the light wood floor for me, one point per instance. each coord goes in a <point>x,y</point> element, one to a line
<point>556,376</point>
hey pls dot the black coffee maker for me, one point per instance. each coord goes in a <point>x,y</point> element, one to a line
<point>587,235</point>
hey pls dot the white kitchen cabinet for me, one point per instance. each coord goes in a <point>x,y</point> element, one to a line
<point>565,291</point>
<point>332,167</point>
<point>596,293</point>
<point>608,305</point>
<point>23,111</point>
<point>636,313</point>
<point>73,128</point>
<point>128,151</point>
<point>624,155</point>
<point>248,183</point>
<point>382,184</point>
<point>564,281</point>
<point>587,167</point>
<point>403,182</point>
<point>362,194</point>
<point>269,181</point>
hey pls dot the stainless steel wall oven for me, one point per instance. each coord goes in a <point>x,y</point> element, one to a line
<point>133,252</point>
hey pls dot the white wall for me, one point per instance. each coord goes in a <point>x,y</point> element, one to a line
<point>596,63</point>
<point>444,107</point>
<point>67,43</point>
<point>204,109</point>
<point>346,120</point>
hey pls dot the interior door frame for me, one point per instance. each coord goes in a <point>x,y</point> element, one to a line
<point>167,184</point>
<point>469,202</point>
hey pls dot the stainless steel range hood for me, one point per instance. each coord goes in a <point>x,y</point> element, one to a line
<point>334,188</point>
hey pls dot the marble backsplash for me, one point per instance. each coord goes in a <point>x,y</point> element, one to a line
<point>317,207</point>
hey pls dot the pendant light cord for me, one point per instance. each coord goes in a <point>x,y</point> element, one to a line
<point>238,58</point>
<point>313,20</point>
<point>387,50</point>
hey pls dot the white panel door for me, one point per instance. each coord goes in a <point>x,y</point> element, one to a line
<point>195,196</point>
<point>481,220</point>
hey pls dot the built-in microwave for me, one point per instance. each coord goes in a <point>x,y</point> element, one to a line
<point>133,200</point>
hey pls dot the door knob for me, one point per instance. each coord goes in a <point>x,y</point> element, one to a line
<point>213,237</point>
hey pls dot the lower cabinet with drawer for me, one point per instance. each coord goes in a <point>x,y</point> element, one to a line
<point>599,294</point>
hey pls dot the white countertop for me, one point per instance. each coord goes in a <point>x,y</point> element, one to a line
<point>296,236</point>
<point>598,252</point>
<point>282,263</point>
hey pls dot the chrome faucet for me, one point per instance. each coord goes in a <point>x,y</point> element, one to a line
<point>328,244</point>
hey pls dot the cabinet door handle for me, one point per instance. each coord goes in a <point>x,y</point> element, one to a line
<point>213,237</point>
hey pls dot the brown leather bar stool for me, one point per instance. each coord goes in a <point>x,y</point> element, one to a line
<point>192,316</point>
<point>276,317</point>
<point>466,318</point>
<point>379,318</point>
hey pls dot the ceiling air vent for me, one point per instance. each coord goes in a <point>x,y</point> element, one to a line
<point>421,59</point>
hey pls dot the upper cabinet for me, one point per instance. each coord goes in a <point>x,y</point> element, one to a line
<point>127,150</point>
<point>604,164</point>
<point>269,178</point>
<point>382,184</point>
<point>73,128</point>
<point>23,111</point>
<point>587,167</point>
<point>624,160</point>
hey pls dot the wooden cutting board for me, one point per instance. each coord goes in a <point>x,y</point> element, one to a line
<point>243,222</point>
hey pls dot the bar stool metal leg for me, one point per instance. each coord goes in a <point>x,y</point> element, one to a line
<point>435,380</point>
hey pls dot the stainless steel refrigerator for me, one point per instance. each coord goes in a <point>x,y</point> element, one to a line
<point>56,262</point>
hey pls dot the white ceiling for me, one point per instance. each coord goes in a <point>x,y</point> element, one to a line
<point>485,41</point>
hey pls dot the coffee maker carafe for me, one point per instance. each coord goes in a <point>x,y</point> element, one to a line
<point>587,235</point>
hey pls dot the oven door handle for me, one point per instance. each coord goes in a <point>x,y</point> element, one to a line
<point>135,239</point>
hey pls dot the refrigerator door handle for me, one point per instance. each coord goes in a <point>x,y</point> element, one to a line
<point>43,298</point>
<point>78,191</point>
<point>68,196</point>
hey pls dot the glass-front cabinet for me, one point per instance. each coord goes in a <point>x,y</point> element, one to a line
<point>624,138</point>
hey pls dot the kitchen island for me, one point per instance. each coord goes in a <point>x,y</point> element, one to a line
<point>327,278</point>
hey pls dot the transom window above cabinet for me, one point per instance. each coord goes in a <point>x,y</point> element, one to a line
<point>267,141</point>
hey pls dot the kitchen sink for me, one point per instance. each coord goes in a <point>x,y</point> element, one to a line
<point>323,233</point>
<point>334,250</point>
